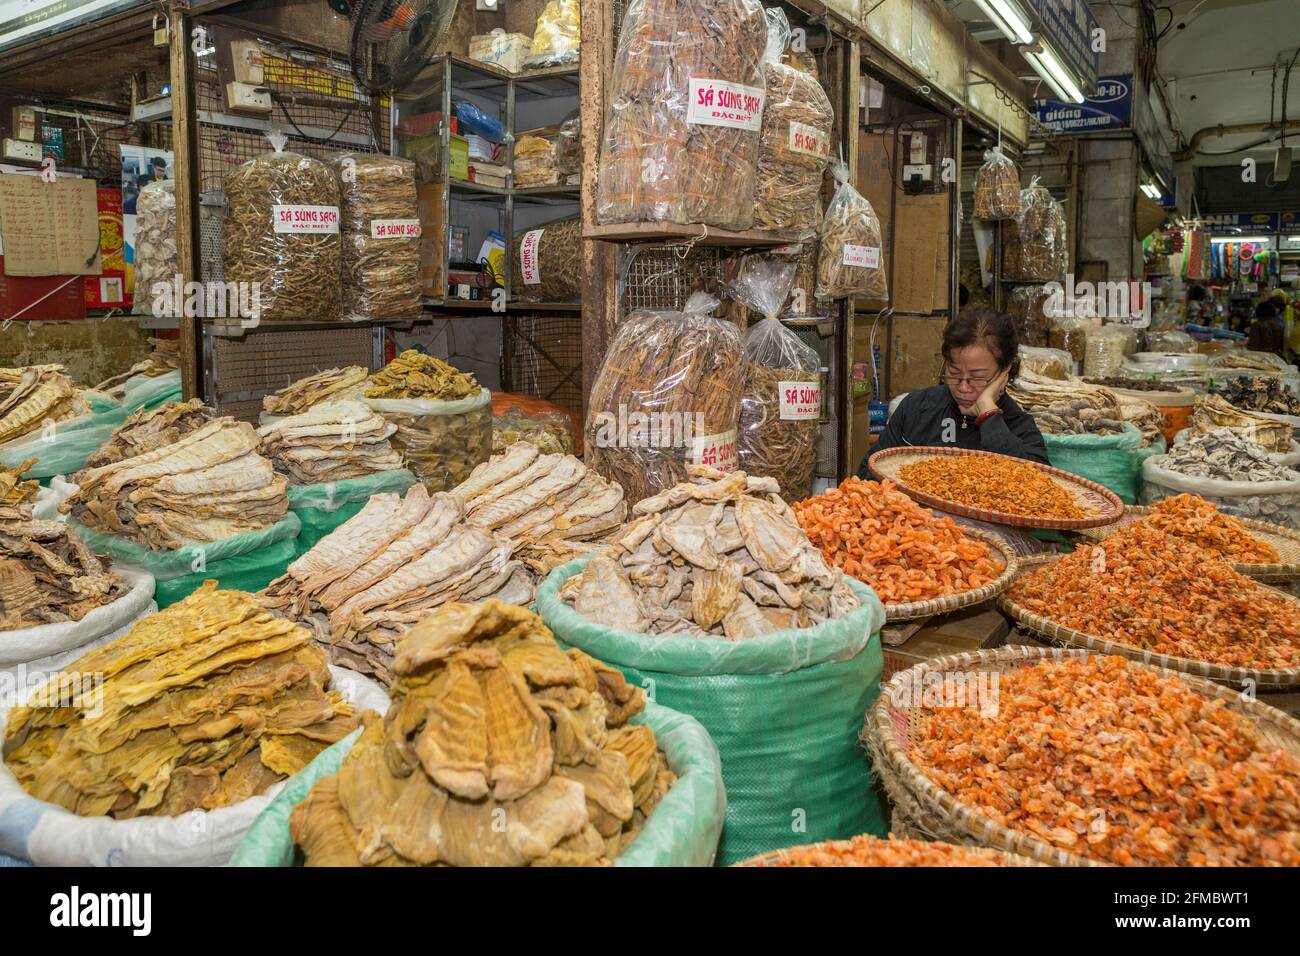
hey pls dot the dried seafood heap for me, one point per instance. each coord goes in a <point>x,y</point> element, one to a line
<point>1074,407</point>
<point>720,555</point>
<point>208,486</point>
<point>1034,242</point>
<point>165,357</point>
<point>379,222</point>
<point>850,256</point>
<point>205,704</point>
<point>330,442</point>
<point>155,243</point>
<point>417,375</point>
<point>1134,385</point>
<point>548,435</point>
<point>327,386</point>
<point>1027,305</point>
<point>15,493</point>
<point>873,532</point>
<point>491,724</point>
<point>1197,520</point>
<point>1258,393</point>
<point>665,157</point>
<point>147,429</point>
<point>1077,417</point>
<point>997,187</point>
<point>993,483</point>
<point>1256,361</point>
<point>1154,591</point>
<point>47,575</point>
<point>553,253</point>
<point>33,395</point>
<point>868,850</point>
<point>1110,761</point>
<point>1226,455</point>
<point>1213,413</point>
<point>371,578</point>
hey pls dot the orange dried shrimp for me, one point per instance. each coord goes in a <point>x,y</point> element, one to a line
<point>1153,591</point>
<point>873,532</point>
<point>994,483</point>
<point>867,850</point>
<point>1194,518</point>
<point>1116,763</point>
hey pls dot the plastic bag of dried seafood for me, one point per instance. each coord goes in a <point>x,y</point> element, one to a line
<point>1277,501</point>
<point>683,830</point>
<point>1028,307</point>
<point>667,393</point>
<point>281,231</point>
<point>440,441</point>
<point>780,408</point>
<point>1033,243</point>
<point>794,142</point>
<point>546,261</point>
<point>48,835</point>
<point>556,36</point>
<point>155,246</point>
<point>1114,461</point>
<point>997,187</point>
<point>1052,363</point>
<point>323,507</point>
<point>379,223</point>
<point>784,709</point>
<point>850,261</point>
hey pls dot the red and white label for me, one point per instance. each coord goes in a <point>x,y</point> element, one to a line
<point>719,103</point>
<point>716,451</point>
<point>800,401</point>
<point>312,219</point>
<point>394,229</point>
<point>865,257</point>
<point>809,140</point>
<point>528,256</point>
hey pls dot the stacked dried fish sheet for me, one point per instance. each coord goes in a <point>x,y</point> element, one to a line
<point>375,575</point>
<point>147,429</point>
<point>1225,455</point>
<point>1258,393</point>
<point>34,395</point>
<point>327,386</point>
<point>208,486</point>
<point>417,375</point>
<point>203,705</point>
<point>1212,413</point>
<point>721,554</point>
<point>552,507</point>
<point>500,749</point>
<point>164,358</point>
<point>15,493</point>
<point>47,575</point>
<point>1075,407</point>
<point>330,442</point>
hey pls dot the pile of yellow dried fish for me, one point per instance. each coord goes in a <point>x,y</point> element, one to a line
<point>164,358</point>
<point>500,749</point>
<point>417,375</point>
<point>375,575</point>
<point>327,386</point>
<point>720,555</point>
<point>16,493</point>
<point>33,395</point>
<point>202,705</point>
<point>1212,412</point>
<point>208,486</point>
<point>47,575</point>
<point>330,442</point>
<point>147,429</point>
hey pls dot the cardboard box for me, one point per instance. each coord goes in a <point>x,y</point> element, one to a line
<point>914,359</point>
<point>506,51</point>
<point>968,629</point>
<point>921,241</point>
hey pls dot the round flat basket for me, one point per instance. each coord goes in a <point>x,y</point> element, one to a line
<point>1103,504</point>
<point>1285,541</point>
<point>888,735</point>
<point>951,602</point>
<point>776,857</point>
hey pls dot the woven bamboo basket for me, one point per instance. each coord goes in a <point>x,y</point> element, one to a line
<point>922,808</point>
<point>1243,678</point>
<point>1286,541</point>
<point>773,857</point>
<point>1102,504</point>
<point>951,602</point>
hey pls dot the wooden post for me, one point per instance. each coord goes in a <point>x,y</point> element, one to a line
<point>184,143</point>
<point>851,71</point>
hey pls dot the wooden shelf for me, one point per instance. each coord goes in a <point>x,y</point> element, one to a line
<point>660,232</point>
<point>485,305</point>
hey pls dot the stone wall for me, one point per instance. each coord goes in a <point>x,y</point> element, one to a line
<point>91,350</point>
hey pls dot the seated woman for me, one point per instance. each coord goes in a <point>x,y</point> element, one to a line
<point>970,409</point>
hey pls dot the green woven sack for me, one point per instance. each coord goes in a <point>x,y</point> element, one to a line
<point>784,709</point>
<point>1113,461</point>
<point>323,507</point>
<point>246,572</point>
<point>682,831</point>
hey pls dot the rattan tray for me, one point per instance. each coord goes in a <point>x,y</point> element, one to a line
<point>951,602</point>
<point>776,856</point>
<point>1286,541</point>
<point>927,810</point>
<point>1103,504</point>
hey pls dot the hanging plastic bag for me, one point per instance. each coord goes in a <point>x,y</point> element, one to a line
<point>780,408</point>
<point>997,187</point>
<point>557,35</point>
<point>1033,243</point>
<point>851,259</point>
<point>1027,307</point>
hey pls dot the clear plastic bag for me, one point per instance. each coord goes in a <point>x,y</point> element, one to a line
<point>546,261</point>
<point>546,431</point>
<point>851,259</point>
<point>1104,350</point>
<point>667,393</point>
<point>997,187</point>
<point>1049,362</point>
<point>557,35</point>
<point>794,144</point>
<point>1027,307</point>
<point>681,137</point>
<point>440,441</point>
<point>155,244</point>
<point>1033,243</point>
<point>1069,334</point>
<point>780,408</point>
<point>380,224</point>
<point>281,230</point>
<point>536,161</point>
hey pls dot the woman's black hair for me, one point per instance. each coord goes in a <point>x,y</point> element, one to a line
<point>993,330</point>
<point>1266,310</point>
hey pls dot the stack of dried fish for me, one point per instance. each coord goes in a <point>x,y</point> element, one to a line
<point>1144,416</point>
<point>164,358</point>
<point>147,429</point>
<point>205,704</point>
<point>1212,413</point>
<point>1225,455</point>
<point>34,395</point>
<point>330,442</point>
<point>208,486</point>
<point>548,435</point>
<point>47,575</point>
<point>1075,407</point>
<point>1248,359</point>
<point>500,749</point>
<point>327,386</point>
<point>417,375</point>
<point>1076,417</point>
<point>375,575</point>
<point>720,555</point>
<point>16,493</point>
<point>1258,393</point>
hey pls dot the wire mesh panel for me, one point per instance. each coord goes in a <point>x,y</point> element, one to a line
<point>91,138</point>
<point>664,276</point>
<point>544,357</point>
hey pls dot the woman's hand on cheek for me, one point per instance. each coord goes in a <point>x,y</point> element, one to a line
<point>988,399</point>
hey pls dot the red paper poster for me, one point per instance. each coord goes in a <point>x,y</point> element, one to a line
<point>108,289</point>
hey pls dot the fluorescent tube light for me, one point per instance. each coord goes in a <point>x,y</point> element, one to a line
<point>1242,239</point>
<point>1151,191</point>
<point>1006,16</point>
<point>1060,79</point>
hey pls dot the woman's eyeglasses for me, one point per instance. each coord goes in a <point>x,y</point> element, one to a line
<point>979,381</point>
